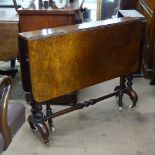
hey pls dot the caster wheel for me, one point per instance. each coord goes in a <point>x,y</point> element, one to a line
<point>52,128</point>
<point>46,141</point>
<point>131,106</point>
<point>117,88</point>
<point>33,127</point>
<point>119,108</point>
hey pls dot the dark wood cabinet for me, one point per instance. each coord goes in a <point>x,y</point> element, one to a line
<point>147,8</point>
<point>37,17</point>
<point>128,4</point>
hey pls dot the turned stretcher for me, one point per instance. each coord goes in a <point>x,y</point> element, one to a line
<point>66,59</point>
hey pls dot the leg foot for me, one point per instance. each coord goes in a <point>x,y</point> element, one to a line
<point>133,96</point>
<point>42,128</point>
<point>52,128</point>
<point>120,109</point>
<point>152,81</point>
<point>37,122</point>
<point>126,88</point>
<point>39,126</point>
<point>130,92</point>
<point>32,126</point>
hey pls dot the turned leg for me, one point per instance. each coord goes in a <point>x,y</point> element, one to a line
<point>13,63</point>
<point>13,70</point>
<point>152,81</point>
<point>130,92</point>
<point>37,122</point>
<point>40,124</point>
<point>49,113</point>
<point>30,101</point>
<point>120,92</point>
<point>28,98</point>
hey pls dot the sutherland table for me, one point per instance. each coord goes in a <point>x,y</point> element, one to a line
<point>35,18</point>
<point>68,58</point>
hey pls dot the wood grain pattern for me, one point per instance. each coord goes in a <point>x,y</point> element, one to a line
<point>8,33</point>
<point>74,57</point>
<point>8,40</point>
<point>38,22</point>
<point>36,18</point>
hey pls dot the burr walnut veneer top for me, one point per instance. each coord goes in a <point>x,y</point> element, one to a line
<point>69,58</point>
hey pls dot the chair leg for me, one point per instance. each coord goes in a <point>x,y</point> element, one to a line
<point>11,72</point>
<point>13,63</point>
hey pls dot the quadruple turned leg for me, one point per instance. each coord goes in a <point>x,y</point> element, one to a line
<point>120,92</point>
<point>37,119</point>
<point>125,87</point>
<point>37,122</point>
<point>48,114</point>
<point>130,92</point>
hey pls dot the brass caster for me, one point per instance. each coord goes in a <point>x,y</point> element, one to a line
<point>120,109</point>
<point>46,141</point>
<point>33,127</point>
<point>117,88</point>
<point>52,128</point>
<point>131,106</point>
